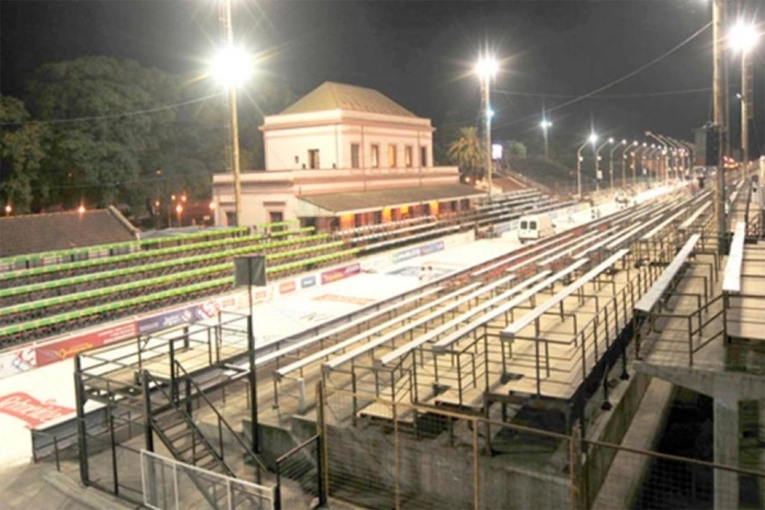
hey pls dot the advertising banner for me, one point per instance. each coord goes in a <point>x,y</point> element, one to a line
<point>18,361</point>
<point>427,249</point>
<point>307,281</point>
<point>26,407</point>
<point>68,348</point>
<point>405,255</point>
<point>172,318</point>
<point>287,287</point>
<point>340,273</point>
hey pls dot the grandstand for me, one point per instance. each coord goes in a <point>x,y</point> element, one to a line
<point>44,294</point>
<point>540,172</point>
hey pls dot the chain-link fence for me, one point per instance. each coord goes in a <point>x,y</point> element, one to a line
<point>383,454</point>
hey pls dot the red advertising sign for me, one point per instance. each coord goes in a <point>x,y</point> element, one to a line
<point>69,348</point>
<point>26,407</point>
<point>340,273</point>
<point>287,287</point>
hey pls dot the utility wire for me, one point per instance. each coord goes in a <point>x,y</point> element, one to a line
<point>113,115</point>
<point>606,96</point>
<point>615,82</point>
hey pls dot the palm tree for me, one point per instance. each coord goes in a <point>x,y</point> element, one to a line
<point>467,152</point>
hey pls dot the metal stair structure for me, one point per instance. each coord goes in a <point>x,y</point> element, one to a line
<point>165,403</point>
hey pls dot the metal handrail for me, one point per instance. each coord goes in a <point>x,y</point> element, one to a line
<point>189,422</point>
<point>222,420</point>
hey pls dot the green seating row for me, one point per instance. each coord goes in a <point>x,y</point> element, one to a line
<point>116,273</point>
<point>155,253</point>
<point>315,260</point>
<point>304,251</point>
<point>297,231</point>
<point>125,287</point>
<point>131,245</point>
<point>116,305</point>
<point>105,291</point>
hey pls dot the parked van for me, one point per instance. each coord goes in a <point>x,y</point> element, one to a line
<point>535,227</point>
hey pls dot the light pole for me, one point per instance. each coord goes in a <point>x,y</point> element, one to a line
<point>486,70</point>
<point>743,38</point>
<point>598,173</point>
<point>591,140</point>
<point>637,158</point>
<point>624,162</point>
<point>611,161</point>
<point>232,67</point>
<point>718,90</point>
<point>663,146</point>
<point>546,125</point>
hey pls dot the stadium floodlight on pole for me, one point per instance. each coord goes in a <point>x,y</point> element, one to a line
<point>546,125</point>
<point>663,146</point>
<point>598,173</point>
<point>743,38</point>
<point>637,158</point>
<point>611,162</point>
<point>591,140</point>
<point>625,153</point>
<point>232,67</point>
<point>486,69</point>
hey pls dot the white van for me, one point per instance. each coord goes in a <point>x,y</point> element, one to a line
<point>535,227</point>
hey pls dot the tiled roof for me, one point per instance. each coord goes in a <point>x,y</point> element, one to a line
<point>338,96</point>
<point>36,233</point>
<point>379,199</point>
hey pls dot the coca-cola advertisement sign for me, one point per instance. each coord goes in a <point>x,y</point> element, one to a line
<point>26,407</point>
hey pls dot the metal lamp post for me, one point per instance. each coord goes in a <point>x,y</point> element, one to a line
<point>486,70</point>
<point>611,162</point>
<point>743,38</point>
<point>546,125</point>
<point>592,139</point>
<point>598,175</point>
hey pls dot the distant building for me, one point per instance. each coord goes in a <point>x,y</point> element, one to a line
<point>343,156</point>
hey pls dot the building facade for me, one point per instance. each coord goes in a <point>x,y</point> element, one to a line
<point>343,156</point>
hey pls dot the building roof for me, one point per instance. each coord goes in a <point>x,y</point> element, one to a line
<point>37,233</point>
<point>359,201</point>
<point>338,96</point>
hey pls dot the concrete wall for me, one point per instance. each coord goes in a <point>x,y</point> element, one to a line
<point>611,427</point>
<point>434,474</point>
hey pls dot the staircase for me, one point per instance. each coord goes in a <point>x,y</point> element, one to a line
<point>171,421</point>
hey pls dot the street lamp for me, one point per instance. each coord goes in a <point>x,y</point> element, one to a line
<point>8,209</point>
<point>598,173</point>
<point>627,148</point>
<point>637,158</point>
<point>231,67</point>
<point>545,125</point>
<point>743,38</point>
<point>486,69</point>
<point>611,161</point>
<point>592,139</point>
<point>179,211</point>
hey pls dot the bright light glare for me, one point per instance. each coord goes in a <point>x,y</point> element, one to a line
<point>593,138</point>
<point>546,124</point>
<point>610,140</point>
<point>487,67</point>
<point>743,37</point>
<point>490,113</point>
<point>231,67</point>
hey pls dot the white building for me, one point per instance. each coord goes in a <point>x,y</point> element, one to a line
<point>344,156</point>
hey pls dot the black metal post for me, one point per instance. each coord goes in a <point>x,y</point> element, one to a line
<point>253,379</point>
<point>112,440</point>
<point>79,396</point>
<point>323,500</point>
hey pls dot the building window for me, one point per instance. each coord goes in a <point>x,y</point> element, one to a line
<point>230,219</point>
<point>375,156</point>
<point>423,156</point>
<point>408,156</point>
<point>313,159</point>
<point>275,216</point>
<point>392,159</point>
<point>355,150</point>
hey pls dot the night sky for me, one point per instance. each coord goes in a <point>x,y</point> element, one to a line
<point>420,54</point>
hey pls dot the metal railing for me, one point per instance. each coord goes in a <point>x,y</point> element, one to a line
<point>172,485</point>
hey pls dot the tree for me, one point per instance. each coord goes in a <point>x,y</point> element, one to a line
<point>467,152</point>
<point>105,117</point>
<point>22,149</point>
<point>515,148</point>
